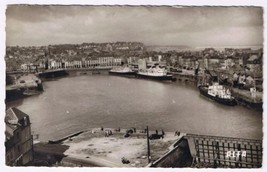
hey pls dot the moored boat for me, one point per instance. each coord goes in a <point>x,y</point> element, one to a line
<point>122,71</point>
<point>31,92</point>
<point>155,72</point>
<point>218,93</point>
<point>154,75</point>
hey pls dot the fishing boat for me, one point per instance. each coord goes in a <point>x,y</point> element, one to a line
<point>218,93</point>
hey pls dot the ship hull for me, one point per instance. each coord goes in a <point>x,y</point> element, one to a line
<point>159,78</point>
<point>52,74</point>
<point>122,73</point>
<point>229,102</point>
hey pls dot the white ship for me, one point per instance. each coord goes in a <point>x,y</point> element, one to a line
<point>154,72</point>
<point>122,71</point>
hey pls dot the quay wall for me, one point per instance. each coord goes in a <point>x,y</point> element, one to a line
<point>65,138</point>
<point>88,69</point>
<point>14,94</point>
<point>185,77</point>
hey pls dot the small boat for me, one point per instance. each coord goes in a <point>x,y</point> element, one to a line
<point>218,93</point>
<point>122,71</point>
<point>31,92</point>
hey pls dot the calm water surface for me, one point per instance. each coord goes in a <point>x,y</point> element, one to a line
<point>76,103</point>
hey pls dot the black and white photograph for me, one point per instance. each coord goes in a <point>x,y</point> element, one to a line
<point>133,86</point>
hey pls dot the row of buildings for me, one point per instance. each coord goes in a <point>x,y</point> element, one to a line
<point>88,55</point>
<point>63,64</point>
<point>211,59</point>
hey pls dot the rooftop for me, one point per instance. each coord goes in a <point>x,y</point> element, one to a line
<point>15,116</point>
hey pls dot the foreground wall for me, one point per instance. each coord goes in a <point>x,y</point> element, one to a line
<point>178,156</point>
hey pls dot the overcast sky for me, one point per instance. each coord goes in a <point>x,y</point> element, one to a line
<point>192,26</point>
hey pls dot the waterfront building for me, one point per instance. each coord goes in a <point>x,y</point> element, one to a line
<point>19,141</point>
<point>55,64</point>
<point>105,61</point>
<point>77,64</point>
<point>67,64</point>
<point>117,61</point>
<point>94,62</point>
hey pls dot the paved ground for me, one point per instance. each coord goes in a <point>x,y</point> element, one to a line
<point>98,150</point>
<point>93,149</point>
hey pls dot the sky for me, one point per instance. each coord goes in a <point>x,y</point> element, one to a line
<point>153,25</point>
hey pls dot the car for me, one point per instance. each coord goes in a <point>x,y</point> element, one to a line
<point>155,136</point>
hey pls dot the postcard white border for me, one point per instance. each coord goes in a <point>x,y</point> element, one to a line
<point>260,3</point>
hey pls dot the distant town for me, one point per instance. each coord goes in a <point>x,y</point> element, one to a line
<point>244,64</point>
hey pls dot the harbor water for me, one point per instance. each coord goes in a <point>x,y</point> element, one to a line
<point>75,103</point>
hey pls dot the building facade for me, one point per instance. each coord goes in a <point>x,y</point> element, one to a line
<point>19,141</point>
